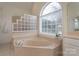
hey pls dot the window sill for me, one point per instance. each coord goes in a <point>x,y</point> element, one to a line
<point>42,34</point>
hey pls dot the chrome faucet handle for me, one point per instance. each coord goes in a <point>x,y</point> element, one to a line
<point>58,35</point>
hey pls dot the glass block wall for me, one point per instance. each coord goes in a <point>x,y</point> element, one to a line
<point>26,23</point>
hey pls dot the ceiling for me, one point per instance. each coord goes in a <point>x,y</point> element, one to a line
<point>26,5</point>
<point>16,3</point>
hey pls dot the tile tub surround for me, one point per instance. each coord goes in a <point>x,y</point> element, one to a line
<point>38,46</point>
<point>74,35</point>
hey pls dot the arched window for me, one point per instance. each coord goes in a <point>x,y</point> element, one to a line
<point>51,18</point>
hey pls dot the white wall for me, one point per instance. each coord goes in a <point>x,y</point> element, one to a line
<point>73,11</point>
<point>37,8</point>
<point>64,6</point>
<point>7,10</point>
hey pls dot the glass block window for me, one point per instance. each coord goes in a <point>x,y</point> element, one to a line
<point>51,19</point>
<point>26,23</point>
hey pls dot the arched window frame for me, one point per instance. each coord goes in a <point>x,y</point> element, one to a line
<point>41,19</point>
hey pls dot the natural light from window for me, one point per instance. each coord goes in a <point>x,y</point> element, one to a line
<point>51,19</point>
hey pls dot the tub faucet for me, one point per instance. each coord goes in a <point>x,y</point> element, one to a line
<point>58,35</point>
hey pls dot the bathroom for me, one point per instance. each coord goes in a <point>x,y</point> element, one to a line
<point>39,28</point>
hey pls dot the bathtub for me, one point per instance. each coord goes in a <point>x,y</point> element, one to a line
<point>37,46</point>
